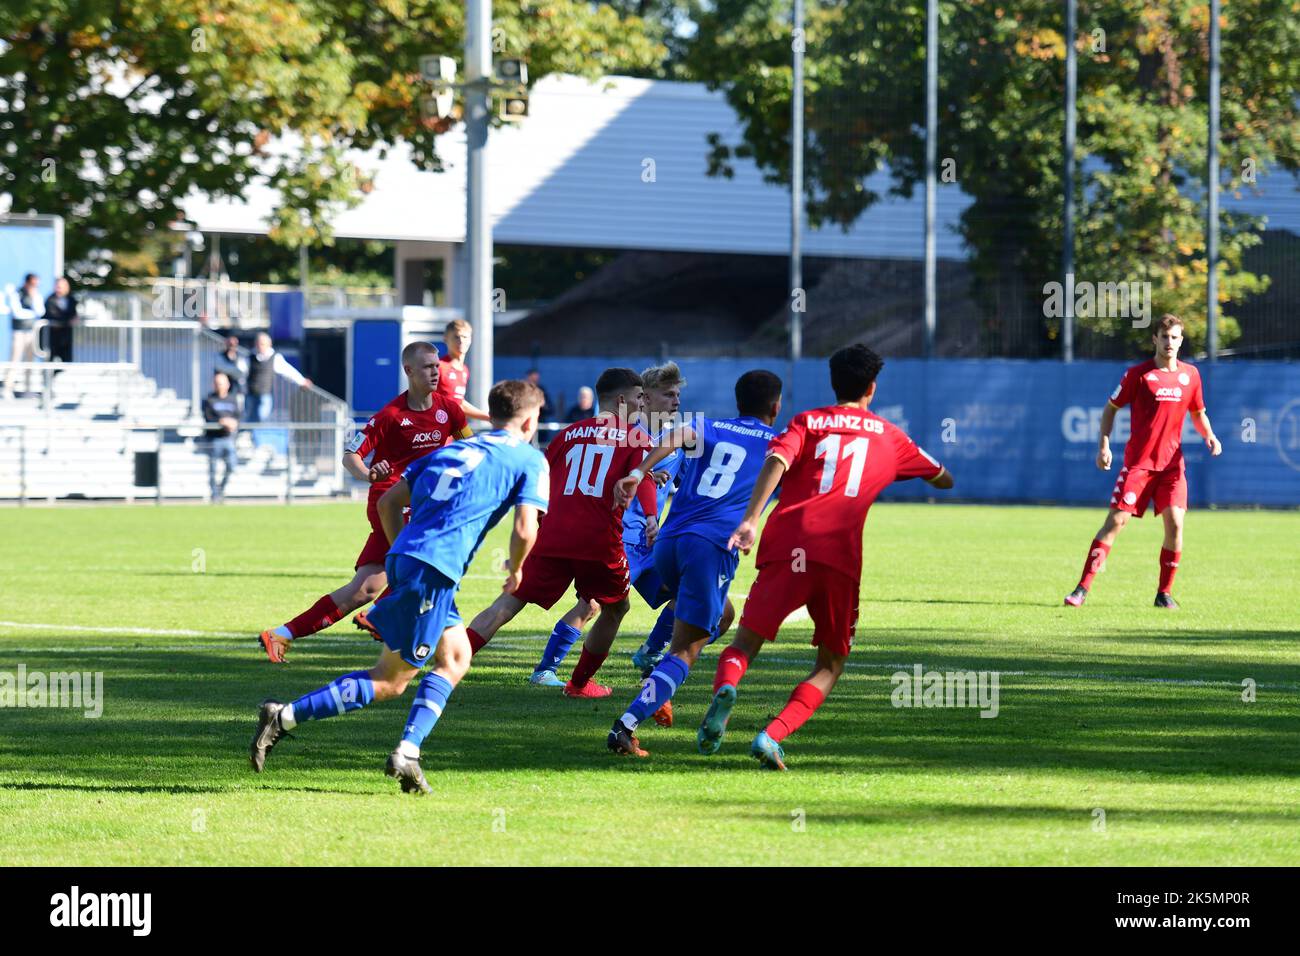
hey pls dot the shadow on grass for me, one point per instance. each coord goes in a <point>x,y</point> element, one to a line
<point>188,714</point>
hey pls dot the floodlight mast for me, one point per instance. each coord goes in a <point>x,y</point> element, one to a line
<point>477,89</point>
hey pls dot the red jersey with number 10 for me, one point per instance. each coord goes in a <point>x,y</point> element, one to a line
<point>1161,400</point>
<point>838,458</point>
<point>586,460</point>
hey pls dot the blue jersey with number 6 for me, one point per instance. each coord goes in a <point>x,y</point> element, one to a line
<point>716,483</point>
<point>461,490</point>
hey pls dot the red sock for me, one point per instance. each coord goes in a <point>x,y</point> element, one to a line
<point>588,664</point>
<point>1168,568</point>
<point>1096,558</point>
<point>803,701</point>
<point>476,641</point>
<point>732,664</point>
<point>316,618</point>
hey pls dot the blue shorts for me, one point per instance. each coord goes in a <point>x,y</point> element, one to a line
<point>698,575</point>
<point>644,575</point>
<point>421,606</point>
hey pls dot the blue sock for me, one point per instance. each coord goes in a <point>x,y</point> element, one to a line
<point>562,638</point>
<point>656,690</point>
<point>662,632</point>
<point>430,701</point>
<point>349,692</point>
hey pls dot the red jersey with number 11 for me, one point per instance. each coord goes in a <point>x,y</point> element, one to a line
<point>838,458</point>
<point>586,460</point>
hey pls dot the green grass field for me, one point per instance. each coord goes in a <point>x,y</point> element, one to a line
<point>1119,708</point>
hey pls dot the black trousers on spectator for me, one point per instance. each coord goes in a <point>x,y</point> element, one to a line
<point>60,342</point>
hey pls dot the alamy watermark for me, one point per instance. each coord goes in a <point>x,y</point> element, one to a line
<point>922,688</point>
<point>74,909</point>
<point>1103,300</point>
<point>195,298</point>
<point>75,690</point>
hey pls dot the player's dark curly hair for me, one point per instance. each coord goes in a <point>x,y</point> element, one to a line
<point>756,390</point>
<point>853,369</point>
<point>615,380</point>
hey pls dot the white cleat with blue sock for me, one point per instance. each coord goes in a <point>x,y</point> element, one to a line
<point>545,678</point>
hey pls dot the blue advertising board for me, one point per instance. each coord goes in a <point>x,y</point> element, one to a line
<point>1021,430</point>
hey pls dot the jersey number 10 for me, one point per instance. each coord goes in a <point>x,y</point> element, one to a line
<point>580,462</point>
<point>829,449</point>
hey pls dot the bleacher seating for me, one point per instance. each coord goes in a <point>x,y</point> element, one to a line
<point>83,444</point>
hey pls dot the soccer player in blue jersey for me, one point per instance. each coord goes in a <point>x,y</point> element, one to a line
<point>691,554</point>
<point>663,386</point>
<point>456,495</point>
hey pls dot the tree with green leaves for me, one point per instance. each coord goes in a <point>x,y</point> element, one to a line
<point>1142,129</point>
<point>112,111</point>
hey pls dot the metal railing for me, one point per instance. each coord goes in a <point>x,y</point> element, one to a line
<point>181,356</point>
<point>23,373</point>
<point>225,304</point>
<point>59,459</point>
<point>290,402</point>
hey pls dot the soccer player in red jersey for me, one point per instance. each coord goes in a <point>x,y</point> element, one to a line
<point>1162,390</point>
<point>580,541</point>
<point>831,463</point>
<point>453,373</point>
<point>410,426</point>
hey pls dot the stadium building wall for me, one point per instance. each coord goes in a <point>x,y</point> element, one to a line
<point>1019,430</point>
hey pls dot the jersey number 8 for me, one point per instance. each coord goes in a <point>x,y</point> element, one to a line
<point>721,473</point>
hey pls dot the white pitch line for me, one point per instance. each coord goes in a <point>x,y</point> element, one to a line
<point>154,631</point>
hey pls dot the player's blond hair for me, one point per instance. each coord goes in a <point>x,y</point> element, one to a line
<point>663,376</point>
<point>415,349</point>
<point>456,325</point>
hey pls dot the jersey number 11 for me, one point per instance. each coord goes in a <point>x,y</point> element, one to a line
<point>829,449</point>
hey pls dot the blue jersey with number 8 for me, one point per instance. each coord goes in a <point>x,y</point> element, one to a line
<point>717,478</point>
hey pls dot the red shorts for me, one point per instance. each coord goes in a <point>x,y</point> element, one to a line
<point>1135,488</point>
<point>831,599</point>
<point>376,548</point>
<point>547,577</point>
<point>375,551</point>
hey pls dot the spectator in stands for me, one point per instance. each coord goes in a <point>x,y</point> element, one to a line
<point>263,366</point>
<point>233,364</point>
<point>585,408</point>
<point>25,307</point>
<point>221,412</point>
<point>534,377</point>
<point>61,311</point>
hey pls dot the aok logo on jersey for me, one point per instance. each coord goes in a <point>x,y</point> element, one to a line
<point>1166,394</point>
<point>420,438</point>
